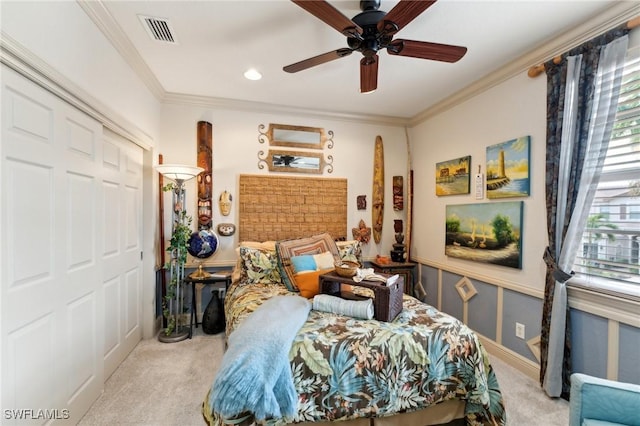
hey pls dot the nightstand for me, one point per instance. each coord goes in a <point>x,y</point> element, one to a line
<point>408,270</point>
<point>219,277</point>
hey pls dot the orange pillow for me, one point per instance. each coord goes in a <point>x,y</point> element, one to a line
<point>307,282</point>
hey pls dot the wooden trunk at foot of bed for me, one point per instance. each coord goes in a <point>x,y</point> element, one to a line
<point>279,208</point>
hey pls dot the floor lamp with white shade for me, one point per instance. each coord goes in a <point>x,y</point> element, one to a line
<point>173,304</point>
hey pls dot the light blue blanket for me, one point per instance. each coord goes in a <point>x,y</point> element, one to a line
<point>255,375</point>
<point>362,309</point>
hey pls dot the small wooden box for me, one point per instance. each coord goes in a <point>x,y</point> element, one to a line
<point>406,269</point>
<point>387,300</point>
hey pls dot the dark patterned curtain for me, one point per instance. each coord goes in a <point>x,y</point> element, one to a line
<point>563,178</point>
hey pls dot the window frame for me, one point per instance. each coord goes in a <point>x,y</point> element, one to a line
<point>584,283</point>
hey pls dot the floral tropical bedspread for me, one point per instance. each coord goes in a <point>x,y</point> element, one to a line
<point>344,368</point>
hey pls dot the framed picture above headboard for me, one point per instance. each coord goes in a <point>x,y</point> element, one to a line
<point>284,207</point>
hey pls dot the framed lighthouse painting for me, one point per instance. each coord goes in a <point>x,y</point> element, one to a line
<point>508,168</point>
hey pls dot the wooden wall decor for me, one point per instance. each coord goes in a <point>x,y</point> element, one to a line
<point>285,207</point>
<point>224,202</point>
<point>309,158</point>
<point>205,179</point>
<point>362,233</point>
<point>295,136</point>
<point>398,193</point>
<point>295,162</point>
<point>377,211</point>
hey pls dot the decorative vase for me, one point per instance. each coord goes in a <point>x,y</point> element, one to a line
<point>213,317</point>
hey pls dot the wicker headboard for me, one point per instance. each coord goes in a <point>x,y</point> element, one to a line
<point>283,207</point>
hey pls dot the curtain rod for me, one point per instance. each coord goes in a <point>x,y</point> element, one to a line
<point>539,69</point>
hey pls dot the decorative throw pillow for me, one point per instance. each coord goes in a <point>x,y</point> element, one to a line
<point>324,260</point>
<point>316,244</point>
<point>307,282</point>
<point>259,266</point>
<point>350,250</point>
<point>238,270</point>
<point>306,262</point>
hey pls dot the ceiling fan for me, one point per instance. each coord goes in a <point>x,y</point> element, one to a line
<point>373,30</point>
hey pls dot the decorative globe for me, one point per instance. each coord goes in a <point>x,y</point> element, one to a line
<point>202,243</point>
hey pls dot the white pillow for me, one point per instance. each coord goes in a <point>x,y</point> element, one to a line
<point>324,260</point>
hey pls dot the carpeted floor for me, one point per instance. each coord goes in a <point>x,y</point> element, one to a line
<point>160,384</point>
<point>526,403</point>
<point>165,384</point>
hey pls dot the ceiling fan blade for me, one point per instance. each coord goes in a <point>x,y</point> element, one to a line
<point>330,16</point>
<point>318,60</point>
<point>426,50</point>
<point>368,74</point>
<point>401,14</point>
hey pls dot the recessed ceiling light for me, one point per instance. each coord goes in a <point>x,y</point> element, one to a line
<point>252,74</point>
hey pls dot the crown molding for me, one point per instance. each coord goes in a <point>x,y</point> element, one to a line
<point>616,15</point>
<point>106,23</point>
<point>267,108</point>
<point>101,17</point>
<point>24,62</point>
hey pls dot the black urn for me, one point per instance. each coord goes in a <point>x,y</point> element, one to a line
<point>213,321</point>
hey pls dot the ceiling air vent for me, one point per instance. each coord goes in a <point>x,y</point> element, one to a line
<point>158,29</point>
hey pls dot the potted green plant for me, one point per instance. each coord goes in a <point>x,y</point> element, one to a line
<point>172,303</point>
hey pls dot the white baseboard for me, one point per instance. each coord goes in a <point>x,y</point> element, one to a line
<point>517,361</point>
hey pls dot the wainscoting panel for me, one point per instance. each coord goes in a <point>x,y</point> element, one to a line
<point>589,342</point>
<point>451,301</point>
<point>482,312</point>
<point>527,310</point>
<point>629,354</point>
<point>430,283</point>
<point>605,336</point>
<point>491,310</point>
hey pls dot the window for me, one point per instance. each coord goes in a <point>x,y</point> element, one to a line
<point>609,259</point>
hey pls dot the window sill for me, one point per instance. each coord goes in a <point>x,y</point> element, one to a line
<point>605,299</point>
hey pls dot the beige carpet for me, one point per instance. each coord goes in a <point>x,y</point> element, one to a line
<point>165,384</point>
<point>526,403</point>
<point>160,384</point>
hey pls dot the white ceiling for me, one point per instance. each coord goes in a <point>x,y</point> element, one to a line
<point>218,40</point>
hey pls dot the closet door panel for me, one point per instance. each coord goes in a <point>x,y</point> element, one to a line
<point>121,254</point>
<point>31,323</point>
<point>70,252</point>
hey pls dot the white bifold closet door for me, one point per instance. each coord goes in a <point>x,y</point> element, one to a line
<point>70,255</point>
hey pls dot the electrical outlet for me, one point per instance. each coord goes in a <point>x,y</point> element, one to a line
<point>520,330</point>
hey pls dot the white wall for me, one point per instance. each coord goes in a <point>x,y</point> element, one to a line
<point>513,108</point>
<point>235,152</point>
<point>59,40</point>
<point>62,35</point>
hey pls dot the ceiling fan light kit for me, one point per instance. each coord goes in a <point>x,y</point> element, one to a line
<point>371,31</point>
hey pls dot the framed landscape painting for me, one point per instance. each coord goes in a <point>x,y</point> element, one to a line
<point>453,177</point>
<point>485,232</point>
<point>508,168</point>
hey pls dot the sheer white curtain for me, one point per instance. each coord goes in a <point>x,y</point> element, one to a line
<point>607,88</point>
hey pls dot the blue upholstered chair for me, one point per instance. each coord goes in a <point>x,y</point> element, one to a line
<point>600,402</point>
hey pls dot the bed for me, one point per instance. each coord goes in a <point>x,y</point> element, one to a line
<point>423,368</point>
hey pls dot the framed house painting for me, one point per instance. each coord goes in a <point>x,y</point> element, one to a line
<point>485,232</point>
<point>453,176</point>
<point>508,168</point>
